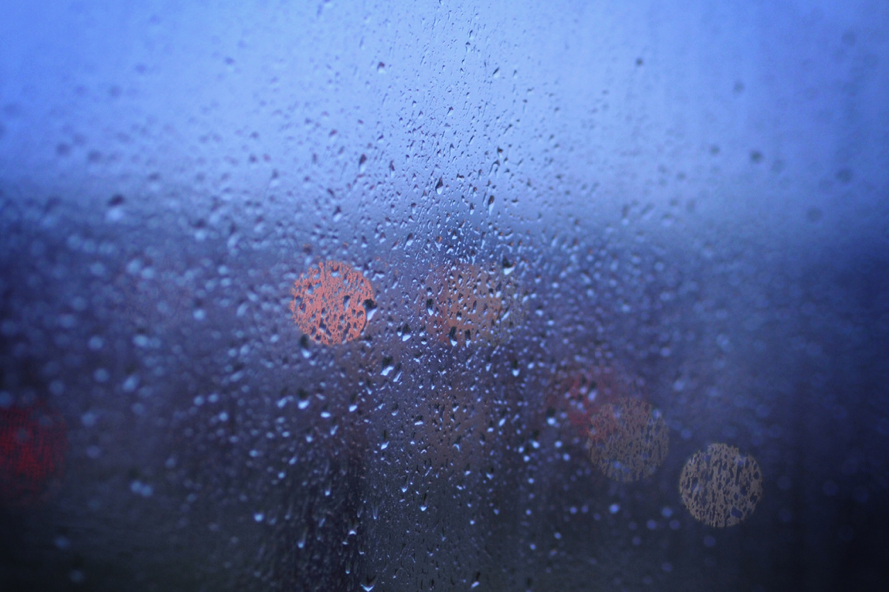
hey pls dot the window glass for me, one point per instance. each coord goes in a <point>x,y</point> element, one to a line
<point>437,296</point>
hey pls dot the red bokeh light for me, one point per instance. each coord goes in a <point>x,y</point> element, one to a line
<point>33,445</point>
<point>582,392</point>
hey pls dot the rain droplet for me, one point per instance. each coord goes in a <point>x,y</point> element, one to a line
<point>115,208</point>
<point>62,542</point>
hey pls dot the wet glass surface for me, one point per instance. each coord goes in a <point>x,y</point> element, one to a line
<point>433,296</point>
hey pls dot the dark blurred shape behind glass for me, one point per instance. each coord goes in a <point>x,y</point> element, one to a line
<point>439,296</point>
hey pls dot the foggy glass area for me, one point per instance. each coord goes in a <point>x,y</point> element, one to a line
<point>404,296</point>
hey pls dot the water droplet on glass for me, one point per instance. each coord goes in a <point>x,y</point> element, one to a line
<point>115,208</point>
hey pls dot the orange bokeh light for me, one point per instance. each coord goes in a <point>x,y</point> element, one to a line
<point>720,486</point>
<point>628,439</point>
<point>329,302</point>
<point>466,302</point>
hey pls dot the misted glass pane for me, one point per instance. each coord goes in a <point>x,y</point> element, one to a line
<point>403,296</point>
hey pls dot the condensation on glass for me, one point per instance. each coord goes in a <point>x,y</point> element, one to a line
<point>441,296</point>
